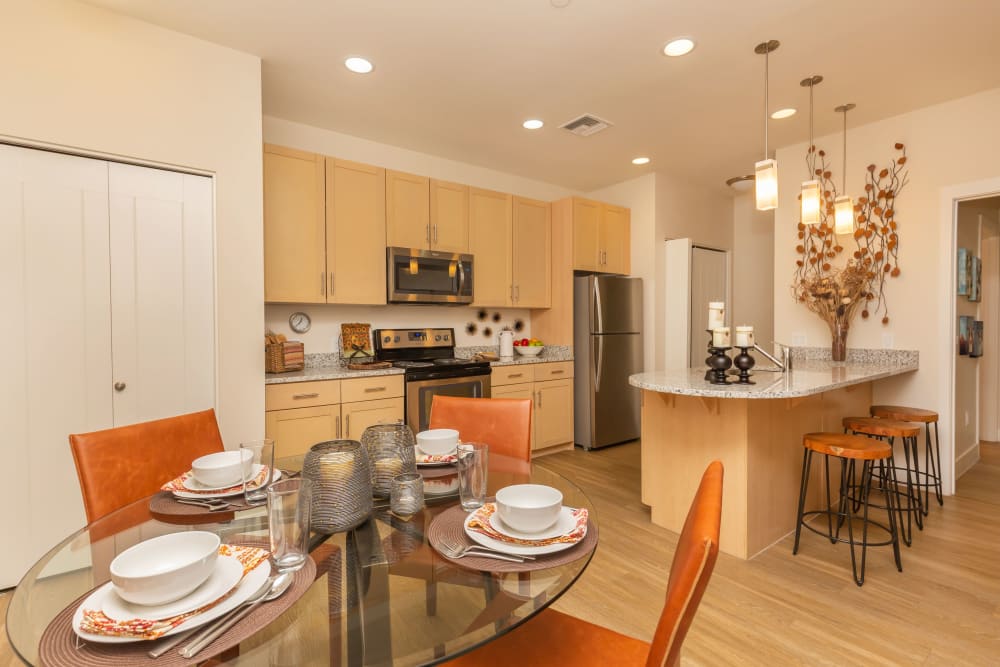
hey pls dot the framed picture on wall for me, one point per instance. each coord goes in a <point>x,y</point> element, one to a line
<point>964,333</point>
<point>976,347</point>
<point>962,268</point>
<point>975,279</point>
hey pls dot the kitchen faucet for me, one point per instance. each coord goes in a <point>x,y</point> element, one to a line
<point>786,356</point>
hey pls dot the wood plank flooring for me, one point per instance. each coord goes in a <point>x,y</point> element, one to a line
<point>779,609</point>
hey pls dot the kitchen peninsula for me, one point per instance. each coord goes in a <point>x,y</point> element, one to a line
<point>756,431</point>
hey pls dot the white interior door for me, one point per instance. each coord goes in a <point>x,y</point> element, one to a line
<point>709,282</point>
<point>162,293</point>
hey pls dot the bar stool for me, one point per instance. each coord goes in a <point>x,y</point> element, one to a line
<point>890,429</point>
<point>932,477</point>
<point>849,448</point>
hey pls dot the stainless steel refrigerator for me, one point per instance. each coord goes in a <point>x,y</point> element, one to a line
<point>607,349</point>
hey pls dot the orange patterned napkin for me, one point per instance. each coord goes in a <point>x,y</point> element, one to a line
<point>480,523</point>
<point>178,484</point>
<point>436,458</point>
<point>95,622</point>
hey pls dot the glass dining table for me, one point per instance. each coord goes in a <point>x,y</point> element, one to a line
<point>381,596</point>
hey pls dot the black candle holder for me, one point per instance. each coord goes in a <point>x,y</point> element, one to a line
<point>709,374</point>
<point>744,362</point>
<point>719,363</point>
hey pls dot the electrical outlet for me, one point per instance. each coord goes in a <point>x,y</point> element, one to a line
<point>798,340</point>
<point>887,341</point>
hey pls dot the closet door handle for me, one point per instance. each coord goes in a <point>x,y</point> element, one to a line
<point>119,386</point>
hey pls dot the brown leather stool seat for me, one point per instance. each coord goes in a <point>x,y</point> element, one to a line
<point>849,449</point>
<point>931,477</point>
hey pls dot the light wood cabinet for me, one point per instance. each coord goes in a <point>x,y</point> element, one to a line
<point>553,413</point>
<point>601,237</point>
<point>449,216</point>
<point>359,416</point>
<point>532,253</point>
<point>490,239</point>
<point>523,390</point>
<point>295,430</point>
<point>294,226</point>
<point>355,232</point>
<point>407,210</point>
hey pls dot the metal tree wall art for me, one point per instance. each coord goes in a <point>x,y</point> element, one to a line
<point>875,256</point>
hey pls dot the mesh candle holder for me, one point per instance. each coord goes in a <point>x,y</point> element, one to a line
<point>342,485</point>
<point>391,452</point>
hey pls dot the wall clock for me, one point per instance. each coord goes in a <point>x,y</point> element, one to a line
<point>299,322</point>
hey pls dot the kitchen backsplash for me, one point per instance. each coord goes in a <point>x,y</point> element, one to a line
<point>324,334</point>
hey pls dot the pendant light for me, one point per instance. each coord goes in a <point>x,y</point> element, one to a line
<point>810,193</point>
<point>766,171</point>
<point>843,207</point>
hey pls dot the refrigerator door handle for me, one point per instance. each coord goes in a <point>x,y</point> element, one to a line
<point>599,311</point>
<point>599,362</point>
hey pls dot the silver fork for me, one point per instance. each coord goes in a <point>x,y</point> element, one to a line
<point>455,550</point>
<point>211,504</point>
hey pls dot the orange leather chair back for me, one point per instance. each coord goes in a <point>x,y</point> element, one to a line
<point>502,423</point>
<point>121,465</point>
<point>694,560</point>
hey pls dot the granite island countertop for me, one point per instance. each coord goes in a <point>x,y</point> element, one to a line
<point>808,376</point>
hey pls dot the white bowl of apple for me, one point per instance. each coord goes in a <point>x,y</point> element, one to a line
<point>529,347</point>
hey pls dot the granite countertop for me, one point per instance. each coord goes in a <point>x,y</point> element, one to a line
<point>810,374</point>
<point>329,366</point>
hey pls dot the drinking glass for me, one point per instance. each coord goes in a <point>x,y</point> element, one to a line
<point>407,494</point>
<point>257,478</point>
<point>472,466</point>
<point>289,505</point>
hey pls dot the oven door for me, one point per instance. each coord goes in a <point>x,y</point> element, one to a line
<point>420,393</point>
<point>428,276</point>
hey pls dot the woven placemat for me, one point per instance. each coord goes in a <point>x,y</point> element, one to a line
<point>163,503</point>
<point>58,646</point>
<point>450,525</point>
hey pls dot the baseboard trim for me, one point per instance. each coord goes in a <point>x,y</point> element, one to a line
<point>965,461</point>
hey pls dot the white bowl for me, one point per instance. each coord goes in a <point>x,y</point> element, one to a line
<point>437,441</point>
<point>165,568</point>
<point>529,350</point>
<point>222,468</point>
<point>529,508</point>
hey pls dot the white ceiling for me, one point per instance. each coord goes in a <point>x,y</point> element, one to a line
<point>455,78</point>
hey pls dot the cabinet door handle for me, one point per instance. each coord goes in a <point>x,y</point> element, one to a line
<point>322,283</point>
<point>119,386</point>
<point>435,234</point>
<point>515,375</point>
<point>427,233</point>
<point>331,283</point>
<point>512,293</point>
<point>372,390</point>
<point>347,430</point>
<point>297,397</point>
<point>517,289</point>
<point>559,372</point>
<point>337,421</point>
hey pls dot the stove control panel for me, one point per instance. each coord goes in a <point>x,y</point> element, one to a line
<point>394,339</point>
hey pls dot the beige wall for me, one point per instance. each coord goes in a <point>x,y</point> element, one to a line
<point>93,81</point>
<point>753,274</point>
<point>639,195</point>
<point>952,149</point>
<point>328,318</point>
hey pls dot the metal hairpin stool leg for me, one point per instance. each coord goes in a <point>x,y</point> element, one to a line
<point>890,429</point>
<point>850,448</point>
<point>931,476</point>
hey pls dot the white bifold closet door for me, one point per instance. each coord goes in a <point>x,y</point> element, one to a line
<point>107,275</point>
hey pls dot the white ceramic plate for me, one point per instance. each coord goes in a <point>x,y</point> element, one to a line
<point>431,464</point>
<point>228,572</point>
<point>420,452</point>
<point>253,581</point>
<point>515,549</point>
<point>194,485</point>
<point>564,524</point>
<point>217,494</point>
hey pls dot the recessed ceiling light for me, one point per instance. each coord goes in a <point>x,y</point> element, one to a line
<point>358,65</point>
<point>678,47</point>
<point>532,124</point>
<point>783,113</point>
<point>640,160</point>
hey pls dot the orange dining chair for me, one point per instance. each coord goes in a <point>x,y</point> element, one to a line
<point>554,638</point>
<point>118,466</point>
<point>502,423</point>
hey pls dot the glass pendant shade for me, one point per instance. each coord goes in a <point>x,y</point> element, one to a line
<point>843,215</point>
<point>810,202</point>
<point>766,175</point>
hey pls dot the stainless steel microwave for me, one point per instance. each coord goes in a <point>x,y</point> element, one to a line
<point>428,276</point>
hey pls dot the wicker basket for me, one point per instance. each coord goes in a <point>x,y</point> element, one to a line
<point>283,357</point>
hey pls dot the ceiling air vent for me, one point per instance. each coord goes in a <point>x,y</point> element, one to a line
<point>586,125</point>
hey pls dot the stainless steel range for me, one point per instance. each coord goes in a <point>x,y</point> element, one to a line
<point>428,357</point>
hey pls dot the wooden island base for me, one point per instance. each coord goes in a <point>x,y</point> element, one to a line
<point>759,441</point>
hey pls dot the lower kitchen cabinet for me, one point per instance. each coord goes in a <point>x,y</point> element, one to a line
<point>551,400</point>
<point>323,416</point>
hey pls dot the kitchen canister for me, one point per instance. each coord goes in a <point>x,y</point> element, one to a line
<point>342,485</point>
<point>390,453</point>
<point>506,343</point>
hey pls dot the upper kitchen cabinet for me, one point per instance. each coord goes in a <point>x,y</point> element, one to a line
<point>294,226</point>
<point>408,210</point>
<point>600,237</point>
<point>490,239</point>
<point>532,253</point>
<point>449,216</point>
<point>355,232</point>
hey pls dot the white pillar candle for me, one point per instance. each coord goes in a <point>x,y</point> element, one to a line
<point>744,336</point>
<point>716,315</point>
<point>720,337</point>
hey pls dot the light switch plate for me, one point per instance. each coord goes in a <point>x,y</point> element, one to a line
<point>887,341</point>
<point>799,340</point>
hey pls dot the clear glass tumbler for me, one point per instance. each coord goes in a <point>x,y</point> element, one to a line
<point>289,509</point>
<point>257,478</point>
<point>407,494</point>
<point>472,471</point>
